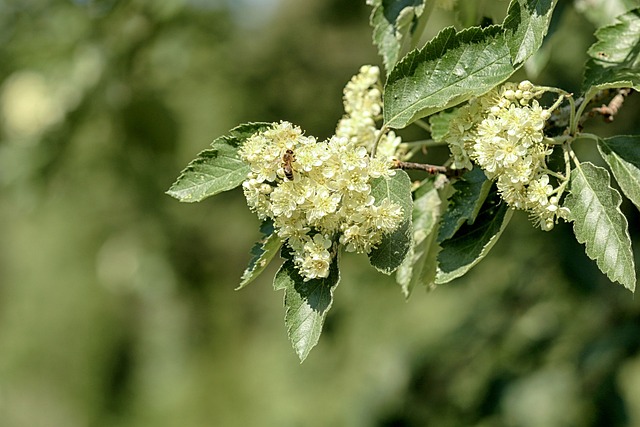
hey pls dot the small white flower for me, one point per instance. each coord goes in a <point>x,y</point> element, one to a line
<point>322,202</point>
<point>539,191</point>
<point>388,145</point>
<point>503,133</point>
<point>328,196</point>
<point>525,85</point>
<point>315,259</point>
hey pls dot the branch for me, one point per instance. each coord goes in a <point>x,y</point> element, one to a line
<point>610,110</point>
<point>430,169</point>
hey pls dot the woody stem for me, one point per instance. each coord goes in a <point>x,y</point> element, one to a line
<point>430,169</point>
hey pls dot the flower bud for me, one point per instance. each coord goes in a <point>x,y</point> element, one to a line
<point>525,85</point>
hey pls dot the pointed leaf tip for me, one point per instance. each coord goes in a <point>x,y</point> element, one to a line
<point>216,169</point>
<point>599,224</point>
<point>306,304</point>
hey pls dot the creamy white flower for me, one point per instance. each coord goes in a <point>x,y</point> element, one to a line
<point>324,195</point>
<point>362,101</point>
<point>539,191</point>
<point>385,217</point>
<point>257,197</point>
<point>503,133</point>
<point>315,259</point>
<point>388,145</point>
<point>322,203</point>
<point>328,196</point>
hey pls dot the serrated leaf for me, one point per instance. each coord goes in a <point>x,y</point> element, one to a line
<point>464,205</point>
<point>615,57</point>
<point>392,22</point>
<point>455,66</point>
<point>390,253</point>
<point>216,169</point>
<point>473,242</point>
<point>449,70</point>
<point>526,25</point>
<point>426,212</point>
<point>306,304</point>
<point>599,224</point>
<point>622,153</point>
<point>262,253</point>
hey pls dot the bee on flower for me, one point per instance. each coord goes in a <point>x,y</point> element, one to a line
<point>318,194</point>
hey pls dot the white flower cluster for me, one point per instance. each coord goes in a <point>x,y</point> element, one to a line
<point>502,132</point>
<point>317,193</point>
<point>362,101</point>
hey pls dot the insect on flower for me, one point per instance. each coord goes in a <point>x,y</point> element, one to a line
<point>287,159</point>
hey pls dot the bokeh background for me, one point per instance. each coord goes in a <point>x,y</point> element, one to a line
<point>117,303</point>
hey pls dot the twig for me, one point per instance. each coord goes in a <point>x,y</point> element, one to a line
<point>430,169</point>
<point>610,110</point>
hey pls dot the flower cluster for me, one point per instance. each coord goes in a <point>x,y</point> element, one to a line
<point>317,193</point>
<point>502,132</point>
<point>362,101</point>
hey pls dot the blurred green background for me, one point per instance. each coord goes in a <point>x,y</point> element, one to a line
<point>117,303</point>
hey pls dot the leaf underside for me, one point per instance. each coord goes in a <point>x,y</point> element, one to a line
<point>392,22</point>
<point>262,253</point>
<point>419,264</point>
<point>599,224</point>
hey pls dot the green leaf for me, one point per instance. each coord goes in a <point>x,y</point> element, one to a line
<point>419,265</point>
<point>216,169</point>
<point>439,124</point>
<point>263,252</point>
<point>526,25</point>
<point>390,253</point>
<point>599,223</point>
<point>449,70</point>
<point>392,21</point>
<point>464,205</point>
<point>622,153</point>
<point>615,57</point>
<point>306,304</point>
<point>455,66</point>
<point>473,242</point>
